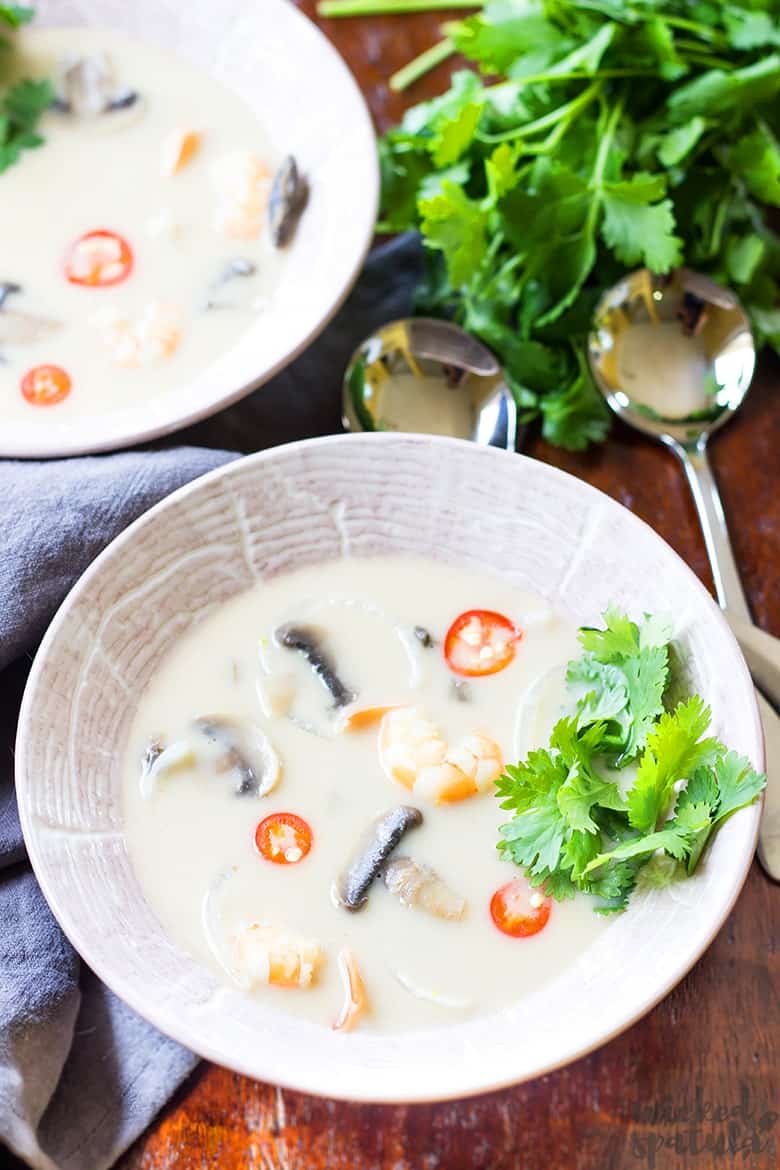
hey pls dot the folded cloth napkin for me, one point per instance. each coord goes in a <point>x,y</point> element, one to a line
<point>81,1075</point>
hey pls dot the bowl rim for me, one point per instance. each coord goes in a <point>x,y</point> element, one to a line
<point>179,1032</point>
<point>366,211</point>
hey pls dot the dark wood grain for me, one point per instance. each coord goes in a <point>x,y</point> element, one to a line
<point>713,1041</point>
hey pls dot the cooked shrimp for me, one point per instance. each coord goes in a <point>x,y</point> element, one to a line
<point>243,183</point>
<point>355,998</point>
<point>267,954</point>
<point>413,751</point>
<point>155,334</point>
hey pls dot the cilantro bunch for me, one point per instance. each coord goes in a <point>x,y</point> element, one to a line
<point>625,785</point>
<point>606,135</point>
<point>22,105</point>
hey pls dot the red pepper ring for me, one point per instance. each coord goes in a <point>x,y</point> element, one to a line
<point>98,259</point>
<point>283,838</point>
<point>480,642</point>
<point>46,385</point>
<point>518,910</point>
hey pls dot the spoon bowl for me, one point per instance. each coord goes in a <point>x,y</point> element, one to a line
<point>428,376</point>
<point>673,355</point>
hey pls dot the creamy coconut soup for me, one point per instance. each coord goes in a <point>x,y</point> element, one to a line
<point>142,239</point>
<point>309,792</point>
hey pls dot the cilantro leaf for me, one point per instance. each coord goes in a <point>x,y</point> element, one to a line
<point>718,92</point>
<point>457,226</point>
<point>535,836</point>
<point>639,225</point>
<point>617,641</point>
<point>738,784</point>
<point>750,29</point>
<point>674,749</point>
<point>678,142</point>
<point>15,15</point>
<point>625,670</point>
<point>501,172</point>
<point>582,788</point>
<point>756,160</point>
<point>504,31</point>
<point>20,109</point>
<point>574,415</point>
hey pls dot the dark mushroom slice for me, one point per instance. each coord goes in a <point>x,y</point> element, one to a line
<point>306,640</point>
<point>461,690</point>
<point>424,637</point>
<point>123,101</point>
<point>289,194</point>
<point>239,266</point>
<point>419,886</point>
<point>253,777</point>
<point>7,289</point>
<point>87,87</point>
<point>350,889</point>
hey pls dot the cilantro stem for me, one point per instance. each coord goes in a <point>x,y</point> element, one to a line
<point>600,165</point>
<point>699,55</point>
<point>339,8</point>
<point>421,65</point>
<point>701,30</point>
<point>605,145</point>
<point>565,112</point>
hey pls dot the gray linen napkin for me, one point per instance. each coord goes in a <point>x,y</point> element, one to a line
<point>81,1075</point>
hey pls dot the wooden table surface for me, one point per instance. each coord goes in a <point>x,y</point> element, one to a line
<point>694,1085</point>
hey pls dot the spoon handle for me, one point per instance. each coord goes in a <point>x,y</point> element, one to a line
<point>706,497</point>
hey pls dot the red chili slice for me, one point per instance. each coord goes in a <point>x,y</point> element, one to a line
<point>99,259</point>
<point>518,910</point>
<point>46,385</point>
<point>283,838</point>
<point>480,641</point>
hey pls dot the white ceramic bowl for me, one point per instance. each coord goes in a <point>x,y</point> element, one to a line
<point>309,104</point>
<point>280,509</point>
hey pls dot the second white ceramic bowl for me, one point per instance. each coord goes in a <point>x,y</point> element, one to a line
<point>310,106</point>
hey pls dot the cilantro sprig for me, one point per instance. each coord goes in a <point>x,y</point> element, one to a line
<point>597,135</point>
<point>22,105</point>
<point>623,780</point>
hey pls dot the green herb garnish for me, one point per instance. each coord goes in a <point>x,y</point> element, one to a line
<point>619,133</point>
<point>582,823</point>
<point>22,105</point>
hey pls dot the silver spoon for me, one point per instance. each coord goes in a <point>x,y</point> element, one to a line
<point>421,374</point>
<point>674,358</point>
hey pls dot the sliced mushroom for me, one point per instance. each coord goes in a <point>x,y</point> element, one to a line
<point>289,195</point>
<point>7,289</point>
<point>255,776</point>
<point>350,890</point>
<point>245,753</point>
<point>87,87</point>
<point>424,637</point>
<point>161,762</point>
<point>307,640</point>
<point>421,887</point>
